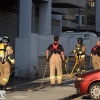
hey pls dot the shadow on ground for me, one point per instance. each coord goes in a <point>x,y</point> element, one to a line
<point>21,84</point>
<point>86,97</point>
<point>71,97</point>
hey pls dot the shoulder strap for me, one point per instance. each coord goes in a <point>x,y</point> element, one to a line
<point>55,46</point>
<point>95,48</point>
<point>5,46</point>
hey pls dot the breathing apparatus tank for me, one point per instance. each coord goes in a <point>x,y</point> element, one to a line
<point>2,50</point>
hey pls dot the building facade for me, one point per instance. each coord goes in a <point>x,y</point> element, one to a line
<point>85,18</point>
<point>98,17</point>
<point>22,20</point>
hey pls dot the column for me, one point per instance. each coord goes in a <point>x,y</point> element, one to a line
<point>25,18</point>
<point>33,17</point>
<point>23,42</point>
<point>45,18</point>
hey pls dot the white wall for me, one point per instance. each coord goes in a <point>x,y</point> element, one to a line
<point>43,43</point>
<point>27,51</point>
<point>67,43</point>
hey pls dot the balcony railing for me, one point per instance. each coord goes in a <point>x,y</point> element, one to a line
<point>68,23</point>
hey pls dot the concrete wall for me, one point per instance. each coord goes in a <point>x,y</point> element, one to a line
<point>80,3</point>
<point>45,18</point>
<point>97,15</point>
<point>56,24</point>
<point>26,56</point>
<point>67,23</point>
<point>22,57</point>
<point>60,10</point>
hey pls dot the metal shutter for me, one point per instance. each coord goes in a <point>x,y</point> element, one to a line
<point>9,21</point>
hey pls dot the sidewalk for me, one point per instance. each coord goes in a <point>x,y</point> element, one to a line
<point>30,90</point>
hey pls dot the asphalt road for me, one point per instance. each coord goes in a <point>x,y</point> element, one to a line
<point>31,91</point>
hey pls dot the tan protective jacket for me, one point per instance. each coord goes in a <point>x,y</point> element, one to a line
<point>80,50</point>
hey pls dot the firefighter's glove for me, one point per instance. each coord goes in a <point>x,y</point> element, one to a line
<point>10,59</point>
<point>63,63</point>
<point>71,52</point>
<point>3,60</point>
<point>47,60</point>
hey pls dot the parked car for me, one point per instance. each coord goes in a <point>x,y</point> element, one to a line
<point>89,83</point>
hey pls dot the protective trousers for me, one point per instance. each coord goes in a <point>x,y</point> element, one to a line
<point>55,63</point>
<point>82,63</point>
<point>4,73</point>
<point>96,62</point>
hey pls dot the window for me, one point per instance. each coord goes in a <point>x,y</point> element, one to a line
<point>81,21</point>
<point>86,35</point>
<point>91,4</point>
<point>76,19</point>
<point>91,19</point>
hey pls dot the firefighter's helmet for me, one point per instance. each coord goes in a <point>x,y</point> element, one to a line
<point>5,39</point>
<point>80,40</point>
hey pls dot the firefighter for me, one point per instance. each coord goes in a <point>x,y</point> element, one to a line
<point>95,54</point>
<point>80,50</point>
<point>55,55</point>
<point>6,59</point>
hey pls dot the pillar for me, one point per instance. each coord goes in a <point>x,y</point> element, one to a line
<point>45,18</point>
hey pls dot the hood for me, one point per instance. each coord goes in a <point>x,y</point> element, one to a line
<point>89,73</point>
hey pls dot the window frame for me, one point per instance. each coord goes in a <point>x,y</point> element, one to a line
<point>80,19</point>
<point>91,4</point>
<point>90,23</point>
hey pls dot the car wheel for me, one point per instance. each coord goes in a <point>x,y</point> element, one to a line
<point>94,91</point>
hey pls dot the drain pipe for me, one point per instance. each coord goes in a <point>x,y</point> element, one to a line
<point>79,20</point>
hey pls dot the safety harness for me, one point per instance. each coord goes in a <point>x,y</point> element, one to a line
<point>55,47</point>
<point>95,49</point>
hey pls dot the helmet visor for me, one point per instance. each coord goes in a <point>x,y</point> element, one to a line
<point>4,41</point>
